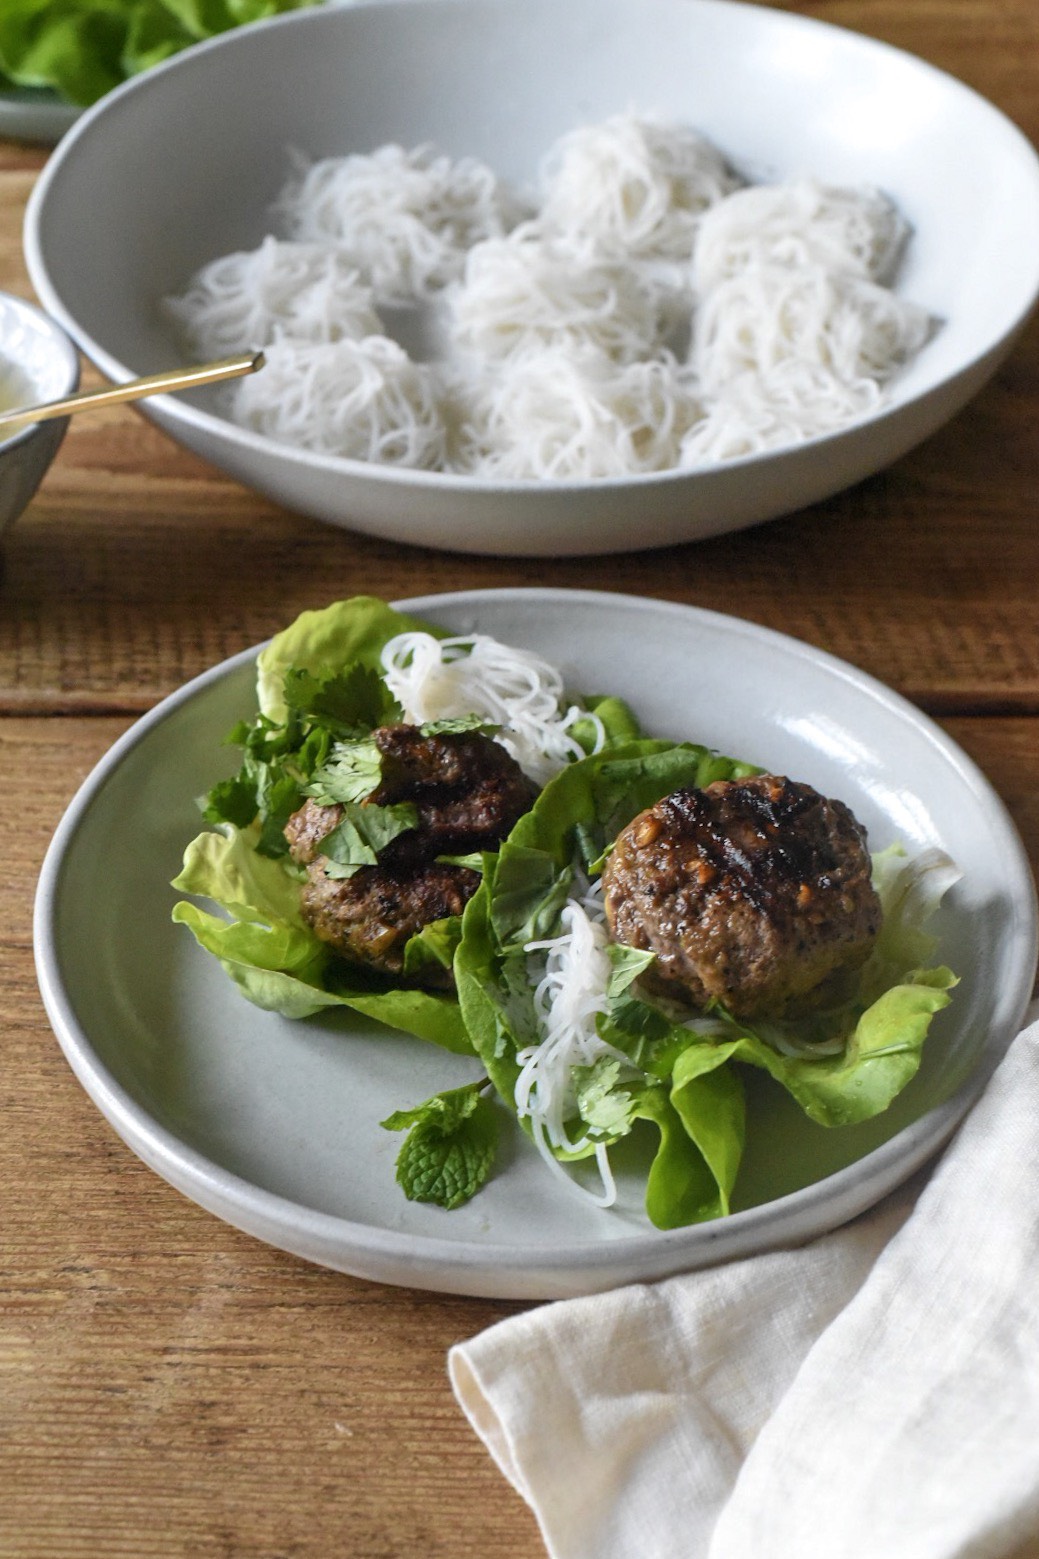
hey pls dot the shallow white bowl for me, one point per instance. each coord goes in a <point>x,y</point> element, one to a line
<point>273,1124</point>
<point>36,353</point>
<point>182,164</point>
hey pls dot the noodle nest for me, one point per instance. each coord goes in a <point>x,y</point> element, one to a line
<point>642,310</point>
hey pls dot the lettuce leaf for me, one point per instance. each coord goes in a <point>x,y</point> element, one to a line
<point>697,1107</point>
<point>328,641</point>
<point>81,49</point>
<point>319,696</point>
<point>878,1033</point>
<point>273,956</point>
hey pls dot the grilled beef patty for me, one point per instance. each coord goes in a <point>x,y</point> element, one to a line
<point>468,793</point>
<point>755,893</point>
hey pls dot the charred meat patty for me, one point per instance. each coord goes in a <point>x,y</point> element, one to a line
<point>755,893</point>
<point>467,792</point>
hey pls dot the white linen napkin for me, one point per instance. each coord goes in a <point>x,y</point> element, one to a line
<point>871,1395</point>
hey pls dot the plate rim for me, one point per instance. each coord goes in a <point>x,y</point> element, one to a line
<point>534,1270</point>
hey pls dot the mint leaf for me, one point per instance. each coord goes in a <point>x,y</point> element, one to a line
<point>450,1146</point>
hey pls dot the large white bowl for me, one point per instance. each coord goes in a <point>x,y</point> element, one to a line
<point>182,164</point>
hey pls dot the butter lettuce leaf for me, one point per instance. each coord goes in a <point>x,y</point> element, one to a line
<point>847,1064</point>
<point>277,962</point>
<point>697,1109</point>
<point>331,641</point>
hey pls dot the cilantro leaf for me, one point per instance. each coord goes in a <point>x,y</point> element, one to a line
<point>450,1147</point>
<point>352,772</point>
<point>231,801</point>
<point>362,832</point>
<point>278,796</point>
<point>607,1096</point>
<point>354,701</point>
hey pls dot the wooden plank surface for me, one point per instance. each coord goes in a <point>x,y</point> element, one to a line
<point>169,1386</point>
<point>118,580</point>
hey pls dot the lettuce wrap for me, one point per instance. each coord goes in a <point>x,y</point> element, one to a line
<point>647,1062</point>
<point>320,693</point>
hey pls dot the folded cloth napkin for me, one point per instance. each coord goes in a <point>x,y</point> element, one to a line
<point>871,1395</point>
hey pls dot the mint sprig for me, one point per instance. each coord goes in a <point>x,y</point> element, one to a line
<point>450,1147</point>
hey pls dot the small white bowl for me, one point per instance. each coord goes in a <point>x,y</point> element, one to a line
<point>38,363</point>
<point>185,162</point>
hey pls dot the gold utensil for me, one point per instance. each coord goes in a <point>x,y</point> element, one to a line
<point>135,389</point>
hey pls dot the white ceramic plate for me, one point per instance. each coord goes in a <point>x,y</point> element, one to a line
<point>273,1125</point>
<point>186,161</point>
<point>40,116</point>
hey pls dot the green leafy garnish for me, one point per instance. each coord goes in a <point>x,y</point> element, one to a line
<point>320,695</point>
<point>450,1147</point>
<point>352,772</point>
<point>361,833</point>
<point>468,982</point>
<point>349,702</point>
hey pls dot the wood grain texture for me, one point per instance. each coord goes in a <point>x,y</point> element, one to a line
<point>117,586</point>
<point>168,1386</point>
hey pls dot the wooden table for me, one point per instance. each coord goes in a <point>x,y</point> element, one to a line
<point>167,1385</point>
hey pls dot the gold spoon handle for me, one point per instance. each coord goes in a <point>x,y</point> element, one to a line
<point>135,389</point>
